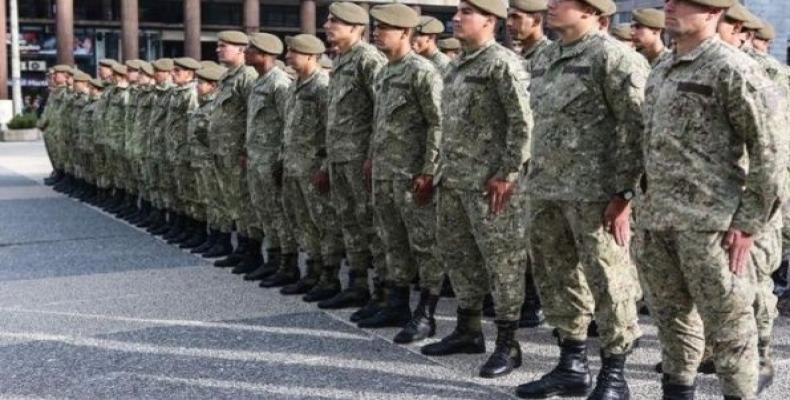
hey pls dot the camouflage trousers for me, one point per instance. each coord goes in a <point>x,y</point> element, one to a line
<point>207,190</point>
<point>49,144</point>
<point>689,286</point>
<point>228,198</point>
<point>351,202</point>
<point>149,181</point>
<point>409,235</point>
<point>582,273</point>
<point>314,219</point>
<point>786,230</point>
<point>482,253</point>
<point>186,192</point>
<point>267,204</point>
<point>248,224</point>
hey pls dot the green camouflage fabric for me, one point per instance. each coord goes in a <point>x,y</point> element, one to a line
<point>179,182</point>
<point>85,126</point>
<point>587,99</point>
<point>407,119</point>
<point>582,274</point>
<point>205,208</point>
<point>100,138</point>
<point>266,109</point>
<point>717,93</point>
<point>439,60</point>
<point>115,119</point>
<point>486,118</point>
<point>531,53</point>
<point>75,142</point>
<point>140,128</point>
<point>765,257</point>
<point>227,130</point>
<point>66,128</point>
<point>351,94</point>
<point>405,143</point>
<point>154,143</point>
<point>49,123</point>
<point>688,284</point>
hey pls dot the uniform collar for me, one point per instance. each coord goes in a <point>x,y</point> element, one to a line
<point>696,52</point>
<point>466,57</point>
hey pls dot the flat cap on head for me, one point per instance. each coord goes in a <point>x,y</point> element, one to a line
<point>163,64</point>
<point>80,76</point>
<point>429,26</point>
<point>107,62</point>
<point>767,32</point>
<point>208,63</point>
<point>133,64</point>
<point>305,43</point>
<point>622,31</point>
<point>234,37</point>
<point>395,14</point>
<point>119,69</point>
<point>187,63</point>
<point>211,74</point>
<point>449,44</point>
<point>349,13</point>
<point>497,8</point>
<point>716,3</point>
<point>62,68</point>
<point>530,6</point>
<point>267,43</point>
<point>649,17</point>
<point>147,68</point>
<point>607,8</point>
<point>97,83</point>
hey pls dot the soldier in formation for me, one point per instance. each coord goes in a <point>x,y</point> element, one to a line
<point>557,181</point>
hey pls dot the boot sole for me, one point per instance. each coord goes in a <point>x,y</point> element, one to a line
<point>577,393</point>
<point>464,350</point>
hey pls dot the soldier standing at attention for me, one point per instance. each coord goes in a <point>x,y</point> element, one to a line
<point>646,30</point>
<point>265,113</point>
<point>349,129</point>
<point>227,127</point>
<point>405,155</point>
<point>480,234</point>
<point>708,109</point>
<point>587,92</point>
<point>423,41</point>
<point>451,47</point>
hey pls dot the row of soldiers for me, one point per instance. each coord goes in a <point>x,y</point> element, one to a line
<point>497,169</point>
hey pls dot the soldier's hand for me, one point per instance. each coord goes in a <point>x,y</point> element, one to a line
<point>499,192</point>
<point>367,172</point>
<point>422,187</point>
<point>738,243</point>
<point>320,180</point>
<point>617,220</point>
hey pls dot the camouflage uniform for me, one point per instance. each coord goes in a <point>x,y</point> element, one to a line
<point>439,60</point>
<point>154,143</point>
<point>100,136</point>
<point>304,152</point>
<point>349,129</point>
<point>66,129</point>
<point>486,127</point>
<point>227,125</point>
<point>704,111</point>
<point>587,98</point>
<point>530,54</point>
<point>265,114</point>
<point>139,130</point>
<point>79,156</point>
<point>115,120</point>
<point>201,161</point>
<point>178,178</point>
<point>133,176</point>
<point>84,143</point>
<point>48,123</point>
<point>405,143</point>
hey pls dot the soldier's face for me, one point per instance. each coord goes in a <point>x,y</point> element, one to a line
<point>761,45</point>
<point>520,24</point>
<point>133,75</point>
<point>337,30</point>
<point>643,36</point>
<point>730,31</point>
<point>469,23</point>
<point>451,53</point>
<point>388,37</point>
<point>297,61</point>
<point>60,78</point>
<point>419,43</point>
<point>81,87</point>
<point>568,13</point>
<point>182,76</point>
<point>105,73</point>
<point>229,54</point>
<point>684,17</point>
<point>162,76</point>
<point>205,87</point>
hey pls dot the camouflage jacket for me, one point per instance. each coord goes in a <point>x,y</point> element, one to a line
<point>115,118</point>
<point>228,121</point>
<point>486,118</point>
<point>85,125</point>
<point>100,114</point>
<point>772,67</point>
<point>146,96</point>
<point>530,54</point>
<point>587,97</point>
<point>154,143</point>
<point>351,94</point>
<point>705,111</point>
<point>197,131</point>
<point>78,103</point>
<point>183,100</point>
<point>135,91</point>
<point>408,124</point>
<point>439,60</point>
<point>304,132</point>
<point>49,118</point>
<point>265,114</point>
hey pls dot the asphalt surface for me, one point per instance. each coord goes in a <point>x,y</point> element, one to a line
<point>92,308</point>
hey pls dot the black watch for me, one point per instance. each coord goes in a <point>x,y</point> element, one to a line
<point>627,194</point>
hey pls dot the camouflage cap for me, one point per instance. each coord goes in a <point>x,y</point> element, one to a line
<point>530,6</point>
<point>147,68</point>
<point>163,64</point>
<point>62,68</point>
<point>649,17</point>
<point>107,62</point>
<point>208,64</point>
<point>234,37</point>
<point>267,43</point>
<point>80,76</point>
<point>211,74</point>
<point>187,63</point>
<point>97,83</point>
<point>305,43</point>
<point>450,44</point>
<point>119,69</point>
<point>622,31</point>
<point>716,3</point>
<point>325,62</point>
<point>133,64</point>
<point>767,32</point>
<point>606,7</point>
<point>349,13</point>
<point>429,26</point>
<point>396,14</point>
<point>497,8</point>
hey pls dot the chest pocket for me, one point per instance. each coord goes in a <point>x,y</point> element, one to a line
<point>398,95</point>
<point>692,105</point>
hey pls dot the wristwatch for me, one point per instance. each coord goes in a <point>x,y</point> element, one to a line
<point>627,194</point>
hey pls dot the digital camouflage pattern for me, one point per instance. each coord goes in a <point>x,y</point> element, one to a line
<point>531,53</point>
<point>439,60</point>
<point>155,143</point>
<point>177,182</point>
<point>206,207</point>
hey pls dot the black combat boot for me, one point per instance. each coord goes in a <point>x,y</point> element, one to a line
<point>396,314</point>
<point>507,353</point>
<point>186,232</point>
<point>447,288</point>
<point>467,338</point>
<point>706,367</point>
<point>233,259</point>
<point>267,268</point>
<point>423,323</point>
<point>327,287</point>
<point>766,377</point>
<point>158,222</point>
<point>141,214</point>
<point>118,202</point>
<point>168,219</point>
<point>288,278</point>
<point>355,295</point>
<point>53,177</point>
<point>198,235</point>
<point>676,392</point>
<point>488,306</point>
<point>531,312</point>
<point>611,383</point>
<point>571,376</point>
<point>129,208</point>
<point>221,248</point>
<point>175,229</point>
<point>251,260</point>
<point>102,198</point>
<point>211,239</point>
<point>289,265</point>
<point>376,302</point>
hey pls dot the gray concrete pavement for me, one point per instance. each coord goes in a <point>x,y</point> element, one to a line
<point>91,308</point>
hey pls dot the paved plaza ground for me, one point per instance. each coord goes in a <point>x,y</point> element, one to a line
<point>93,308</point>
